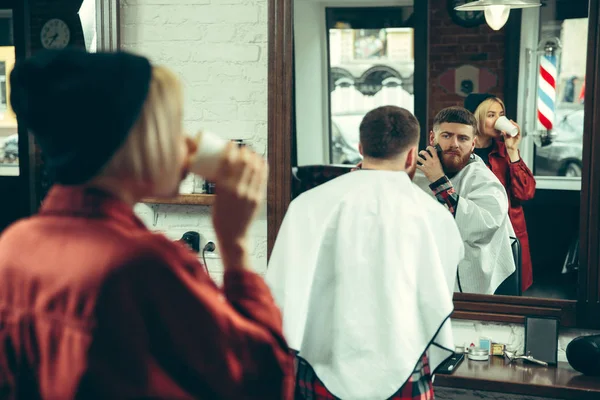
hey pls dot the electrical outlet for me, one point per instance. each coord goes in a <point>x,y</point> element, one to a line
<point>192,239</point>
<point>211,254</point>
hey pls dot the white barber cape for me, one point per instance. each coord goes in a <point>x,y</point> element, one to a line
<point>483,222</point>
<point>363,270</point>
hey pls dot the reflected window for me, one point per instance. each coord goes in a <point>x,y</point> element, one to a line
<point>9,138</point>
<point>371,64</point>
<point>553,92</point>
<point>562,156</point>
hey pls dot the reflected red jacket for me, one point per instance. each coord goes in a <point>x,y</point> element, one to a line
<point>519,182</point>
<point>93,305</point>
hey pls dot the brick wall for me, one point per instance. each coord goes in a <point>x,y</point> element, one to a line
<point>452,46</point>
<point>219,49</point>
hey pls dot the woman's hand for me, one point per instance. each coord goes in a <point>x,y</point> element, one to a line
<point>239,192</point>
<point>512,143</point>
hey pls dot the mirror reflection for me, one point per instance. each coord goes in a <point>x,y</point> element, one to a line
<point>362,58</point>
<point>512,162</point>
<point>9,138</point>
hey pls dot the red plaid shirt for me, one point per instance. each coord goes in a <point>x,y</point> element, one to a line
<point>418,386</point>
<point>445,193</point>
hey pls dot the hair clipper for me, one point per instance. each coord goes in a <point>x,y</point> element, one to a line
<point>437,148</point>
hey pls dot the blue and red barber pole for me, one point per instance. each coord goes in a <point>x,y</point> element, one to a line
<point>546,102</point>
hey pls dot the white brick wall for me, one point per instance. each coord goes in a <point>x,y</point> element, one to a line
<point>219,50</point>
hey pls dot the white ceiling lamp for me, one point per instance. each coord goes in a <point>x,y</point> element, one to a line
<point>497,11</point>
<point>496,16</point>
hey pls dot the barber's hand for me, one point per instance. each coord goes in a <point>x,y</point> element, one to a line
<point>239,192</point>
<point>431,166</point>
<point>512,143</point>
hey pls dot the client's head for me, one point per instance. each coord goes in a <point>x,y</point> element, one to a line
<point>104,119</point>
<point>454,129</point>
<point>389,137</point>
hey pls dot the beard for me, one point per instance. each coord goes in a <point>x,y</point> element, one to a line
<point>453,161</point>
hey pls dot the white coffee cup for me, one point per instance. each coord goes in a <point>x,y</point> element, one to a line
<point>205,162</point>
<point>504,124</point>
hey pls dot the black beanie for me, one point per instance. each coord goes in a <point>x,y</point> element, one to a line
<point>80,106</point>
<point>475,99</point>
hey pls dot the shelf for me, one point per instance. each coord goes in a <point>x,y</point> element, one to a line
<point>183,199</point>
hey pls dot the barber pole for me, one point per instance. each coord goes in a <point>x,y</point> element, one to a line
<point>547,90</point>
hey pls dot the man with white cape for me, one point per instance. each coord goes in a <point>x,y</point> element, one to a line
<point>461,181</point>
<point>363,269</point>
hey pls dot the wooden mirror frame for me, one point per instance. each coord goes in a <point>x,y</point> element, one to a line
<point>582,313</point>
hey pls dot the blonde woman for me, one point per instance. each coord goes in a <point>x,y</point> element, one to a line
<point>501,154</point>
<point>94,305</point>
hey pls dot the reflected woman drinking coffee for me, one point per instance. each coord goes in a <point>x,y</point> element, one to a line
<point>500,151</point>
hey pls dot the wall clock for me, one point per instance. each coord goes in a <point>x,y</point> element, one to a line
<point>55,34</point>
<point>467,19</point>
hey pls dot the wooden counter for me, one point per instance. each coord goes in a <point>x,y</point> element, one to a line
<point>497,375</point>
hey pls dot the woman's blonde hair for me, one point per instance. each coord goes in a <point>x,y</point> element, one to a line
<point>152,145</point>
<point>482,110</point>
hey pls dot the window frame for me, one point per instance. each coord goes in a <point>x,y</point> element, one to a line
<point>526,97</point>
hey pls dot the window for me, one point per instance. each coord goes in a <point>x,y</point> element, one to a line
<point>559,30</point>
<point>370,64</point>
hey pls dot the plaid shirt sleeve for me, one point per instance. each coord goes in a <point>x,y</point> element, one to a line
<point>444,192</point>
<point>418,386</point>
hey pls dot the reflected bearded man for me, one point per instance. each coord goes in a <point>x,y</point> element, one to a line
<point>450,171</point>
<point>364,268</point>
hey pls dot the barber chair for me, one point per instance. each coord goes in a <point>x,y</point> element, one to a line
<point>512,285</point>
<point>307,177</point>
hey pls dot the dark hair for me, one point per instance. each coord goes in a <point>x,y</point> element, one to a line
<point>388,131</point>
<point>455,115</point>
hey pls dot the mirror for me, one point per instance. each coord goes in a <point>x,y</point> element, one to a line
<point>361,55</point>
